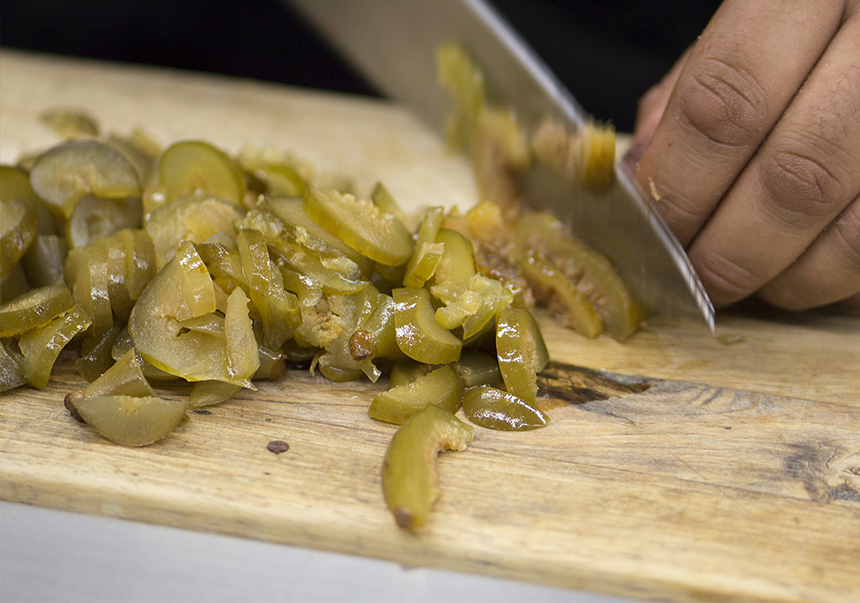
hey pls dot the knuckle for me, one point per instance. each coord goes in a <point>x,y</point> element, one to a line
<point>802,184</point>
<point>846,229</point>
<point>725,104</point>
<point>726,280</point>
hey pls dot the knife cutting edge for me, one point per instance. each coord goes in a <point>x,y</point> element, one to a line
<point>394,43</point>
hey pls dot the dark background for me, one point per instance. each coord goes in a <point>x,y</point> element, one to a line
<point>607,52</point>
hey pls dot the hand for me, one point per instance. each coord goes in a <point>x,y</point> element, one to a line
<point>750,148</point>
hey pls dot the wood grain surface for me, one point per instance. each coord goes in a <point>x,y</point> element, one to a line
<point>677,465</point>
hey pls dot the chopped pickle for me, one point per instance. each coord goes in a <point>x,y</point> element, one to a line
<point>10,370</point>
<point>382,198</point>
<point>427,252</point>
<point>521,352</point>
<point>223,270</point>
<point>567,299</point>
<point>465,82</point>
<point>294,223</point>
<point>192,167</point>
<point>41,346</point>
<point>96,354</point>
<point>34,309</point>
<point>441,387</point>
<point>13,283</point>
<point>457,264</point>
<point>409,474</point>
<point>17,230</point>
<point>209,393</point>
<point>192,218</point>
<point>408,371</point>
<point>182,290</point>
<point>361,225</point>
<point>94,217</point>
<point>282,174</point>
<point>418,334</point>
<point>15,186</point>
<point>44,260</point>
<point>478,368</point>
<point>278,308</point>
<point>124,378</point>
<point>497,409</point>
<point>64,174</point>
<point>243,359</point>
<point>70,123</point>
<point>131,420</point>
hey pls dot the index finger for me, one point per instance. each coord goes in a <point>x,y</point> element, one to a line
<point>740,76</point>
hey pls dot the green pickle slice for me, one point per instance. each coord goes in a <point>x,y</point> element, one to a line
<point>360,224</point>
<point>521,352</point>
<point>34,309</point>
<point>67,172</point>
<point>131,420</point>
<point>418,334</point>
<point>196,167</point>
<point>409,473</point>
<point>497,409</point>
<point>441,387</point>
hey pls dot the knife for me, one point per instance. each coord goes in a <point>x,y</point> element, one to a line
<point>394,42</point>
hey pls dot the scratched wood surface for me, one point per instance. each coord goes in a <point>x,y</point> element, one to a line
<point>677,466</point>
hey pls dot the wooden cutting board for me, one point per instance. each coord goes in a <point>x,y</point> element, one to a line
<point>677,465</point>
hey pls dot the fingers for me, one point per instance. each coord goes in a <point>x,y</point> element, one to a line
<point>738,79</point>
<point>803,176</point>
<point>827,272</point>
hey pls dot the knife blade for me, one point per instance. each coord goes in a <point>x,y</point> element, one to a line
<point>394,42</point>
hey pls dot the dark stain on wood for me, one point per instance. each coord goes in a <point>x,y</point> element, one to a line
<point>816,466</point>
<point>560,384</point>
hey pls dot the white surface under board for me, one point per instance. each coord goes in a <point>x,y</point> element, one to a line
<point>48,555</point>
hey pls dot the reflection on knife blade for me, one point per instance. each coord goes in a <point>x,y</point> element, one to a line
<point>394,44</point>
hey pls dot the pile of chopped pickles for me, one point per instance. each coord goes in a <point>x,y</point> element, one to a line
<point>186,263</point>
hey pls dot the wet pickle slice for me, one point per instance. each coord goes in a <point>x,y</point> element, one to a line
<point>124,378</point>
<point>180,291</point>
<point>94,217</point>
<point>131,420</point>
<point>409,474</point>
<point>191,167</point>
<point>361,225</point>
<point>34,309</point>
<point>67,172</point>
<point>427,252</point>
<point>564,297</point>
<point>497,409</point>
<point>457,264</point>
<point>521,352</point>
<point>193,219</point>
<point>41,346</point>
<point>408,371</point>
<point>96,355</point>
<point>243,359</point>
<point>17,230</point>
<point>44,260</point>
<point>10,370</point>
<point>478,368</point>
<point>297,225</point>
<point>278,308</point>
<point>441,387</point>
<point>209,393</point>
<point>418,334</point>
